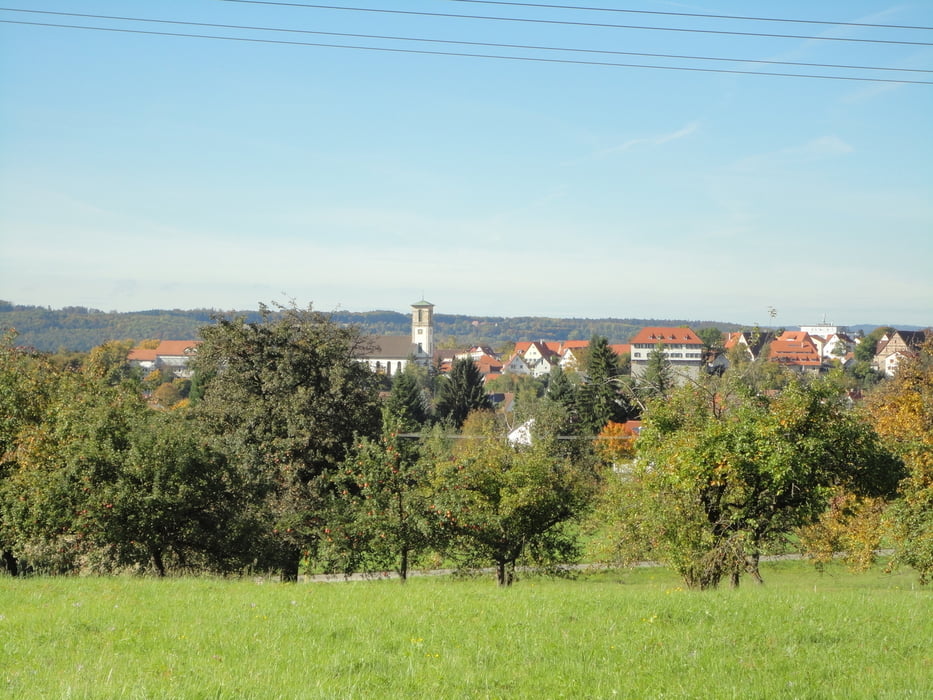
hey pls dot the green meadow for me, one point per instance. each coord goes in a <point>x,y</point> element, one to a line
<point>629,634</point>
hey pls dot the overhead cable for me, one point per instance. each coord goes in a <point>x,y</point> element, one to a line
<point>604,25</point>
<point>532,59</point>
<point>530,47</point>
<point>743,18</point>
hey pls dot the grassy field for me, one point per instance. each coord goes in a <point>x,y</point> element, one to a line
<point>632,634</point>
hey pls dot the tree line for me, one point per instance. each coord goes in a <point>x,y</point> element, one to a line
<point>291,456</point>
<point>79,329</point>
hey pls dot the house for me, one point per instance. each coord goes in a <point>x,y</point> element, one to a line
<point>539,357</point>
<point>896,346</point>
<point>390,353</point>
<point>535,358</point>
<point>171,355</point>
<point>521,435</point>
<point>752,344</point>
<point>681,347</point>
<point>837,346</point>
<point>797,351</point>
<point>516,365</point>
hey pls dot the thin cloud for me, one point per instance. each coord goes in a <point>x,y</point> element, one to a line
<point>658,140</point>
<point>820,148</point>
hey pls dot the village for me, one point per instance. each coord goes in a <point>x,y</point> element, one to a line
<point>808,350</point>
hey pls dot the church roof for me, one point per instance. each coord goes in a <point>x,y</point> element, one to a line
<point>395,347</point>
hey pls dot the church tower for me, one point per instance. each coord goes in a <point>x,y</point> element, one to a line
<point>422,327</point>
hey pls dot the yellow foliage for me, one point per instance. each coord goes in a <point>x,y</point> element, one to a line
<point>616,443</point>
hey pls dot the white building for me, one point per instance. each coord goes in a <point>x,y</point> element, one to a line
<point>391,353</point>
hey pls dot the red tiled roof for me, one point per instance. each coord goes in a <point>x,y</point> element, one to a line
<point>661,334</point>
<point>166,348</point>
<point>795,348</point>
<point>142,355</point>
<point>178,348</point>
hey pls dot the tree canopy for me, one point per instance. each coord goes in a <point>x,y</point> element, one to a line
<point>285,399</point>
<point>721,471</point>
<point>460,392</point>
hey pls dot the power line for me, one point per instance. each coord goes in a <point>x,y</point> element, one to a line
<point>603,25</point>
<point>744,18</point>
<point>469,43</point>
<point>459,54</point>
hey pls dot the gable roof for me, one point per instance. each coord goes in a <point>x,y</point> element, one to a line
<point>753,340</point>
<point>142,355</point>
<point>166,348</point>
<point>912,339</point>
<point>177,348</point>
<point>795,348</point>
<point>391,346</point>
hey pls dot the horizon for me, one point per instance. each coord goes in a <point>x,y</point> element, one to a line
<point>825,322</point>
<point>140,170</point>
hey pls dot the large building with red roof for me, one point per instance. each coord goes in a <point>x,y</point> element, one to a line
<point>681,347</point>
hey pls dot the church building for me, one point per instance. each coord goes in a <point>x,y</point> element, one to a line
<point>391,353</point>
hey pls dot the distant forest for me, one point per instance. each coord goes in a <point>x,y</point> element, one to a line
<point>78,329</point>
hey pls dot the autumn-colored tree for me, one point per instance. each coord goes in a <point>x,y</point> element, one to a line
<point>722,471</point>
<point>615,444</point>
<point>901,410</point>
<point>852,526</point>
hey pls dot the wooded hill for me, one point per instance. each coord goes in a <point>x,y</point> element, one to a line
<point>79,329</point>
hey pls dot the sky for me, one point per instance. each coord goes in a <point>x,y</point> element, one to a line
<point>142,171</point>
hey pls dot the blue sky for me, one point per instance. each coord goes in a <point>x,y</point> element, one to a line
<point>141,171</point>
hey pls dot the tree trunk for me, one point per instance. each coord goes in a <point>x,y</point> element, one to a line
<point>751,567</point>
<point>157,561</point>
<point>10,564</point>
<point>290,566</point>
<point>403,566</point>
<point>504,574</point>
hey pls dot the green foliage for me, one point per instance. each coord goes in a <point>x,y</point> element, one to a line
<point>80,329</point>
<point>406,407</point>
<point>722,472</point>
<point>527,390</point>
<point>174,505</point>
<point>711,337</point>
<point>98,482</point>
<point>502,503</point>
<point>460,392</point>
<point>27,384</point>
<point>108,362</point>
<point>382,519</point>
<point>658,379</point>
<point>865,350</point>
<point>600,398</point>
<point>285,399</point>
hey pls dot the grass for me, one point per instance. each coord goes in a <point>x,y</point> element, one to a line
<point>633,634</point>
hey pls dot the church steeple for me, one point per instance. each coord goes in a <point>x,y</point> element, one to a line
<point>422,326</point>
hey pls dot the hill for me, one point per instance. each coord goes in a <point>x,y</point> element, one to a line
<point>79,329</point>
